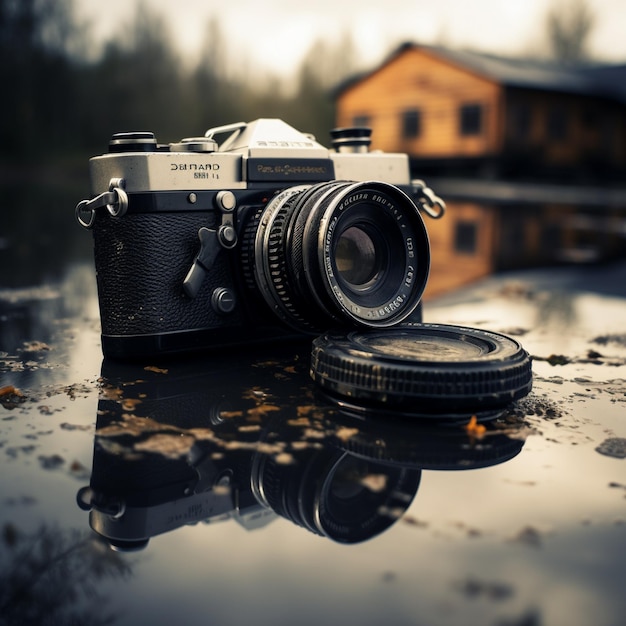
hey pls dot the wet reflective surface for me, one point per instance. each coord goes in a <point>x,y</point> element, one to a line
<point>234,493</point>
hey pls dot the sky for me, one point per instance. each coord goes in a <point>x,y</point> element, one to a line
<point>276,34</point>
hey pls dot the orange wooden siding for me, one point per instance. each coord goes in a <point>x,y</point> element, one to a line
<point>561,129</point>
<point>418,80</point>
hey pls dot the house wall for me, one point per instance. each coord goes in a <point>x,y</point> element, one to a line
<point>418,80</point>
<point>524,132</point>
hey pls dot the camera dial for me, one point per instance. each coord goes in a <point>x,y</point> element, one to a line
<point>194,144</point>
<point>141,141</point>
<point>355,139</point>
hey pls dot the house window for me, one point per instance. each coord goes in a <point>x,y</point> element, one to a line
<point>590,119</point>
<point>466,237</point>
<point>557,123</point>
<point>609,134</point>
<point>362,120</point>
<point>551,239</point>
<point>411,124</point>
<point>471,119</point>
<point>521,119</point>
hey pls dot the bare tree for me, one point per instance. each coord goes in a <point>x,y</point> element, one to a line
<point>568,25</point>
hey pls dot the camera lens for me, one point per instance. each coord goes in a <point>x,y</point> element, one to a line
<point>340,252</point>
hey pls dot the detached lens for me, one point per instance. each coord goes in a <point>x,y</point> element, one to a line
<point>340,253</point>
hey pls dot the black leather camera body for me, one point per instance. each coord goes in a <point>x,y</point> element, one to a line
<point>266,236</point>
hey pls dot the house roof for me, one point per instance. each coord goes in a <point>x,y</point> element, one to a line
<point>589,79</point>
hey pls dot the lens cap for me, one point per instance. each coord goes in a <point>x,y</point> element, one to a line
<point>422,370</point>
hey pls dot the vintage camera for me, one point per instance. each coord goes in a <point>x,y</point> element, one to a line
<point>267,235</point>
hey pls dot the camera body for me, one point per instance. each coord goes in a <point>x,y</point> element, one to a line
<point>266,236</point>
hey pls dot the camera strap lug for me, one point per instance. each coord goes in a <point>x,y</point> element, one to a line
<point>115,200</point>
<point>426,199</point>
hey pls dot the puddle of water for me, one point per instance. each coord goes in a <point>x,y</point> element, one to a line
<point>219,464</point>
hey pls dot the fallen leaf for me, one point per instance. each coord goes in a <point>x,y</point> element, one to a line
<point>475,429</point>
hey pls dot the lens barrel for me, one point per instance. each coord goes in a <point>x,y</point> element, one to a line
<point>340,253</point>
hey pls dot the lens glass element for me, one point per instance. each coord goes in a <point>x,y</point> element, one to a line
<point>358,260</point>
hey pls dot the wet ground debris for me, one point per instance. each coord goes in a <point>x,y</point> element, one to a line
<point>530,536</point>
<point>51,462</point>
<point>11,397</point>
<point>614,447</point>
<point>591,356</point>
<point>474,429</point>
<point>516,331</point>
<point>30,357</point>
<point>474,588</point>
<point>155,369</point>
<point>33,348</point>
<point>77,389</point>
<point>603,340</point>
<point>556,359</point>
<point>534,405</point>
<point>9,390</point>
<point>83,427</point>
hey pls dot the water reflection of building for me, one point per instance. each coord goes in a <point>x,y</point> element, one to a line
<point>491,227</point>
<point>470,121</point>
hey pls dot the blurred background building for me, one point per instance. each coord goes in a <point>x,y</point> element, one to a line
<point>460,112</point>
<point>526,145</point>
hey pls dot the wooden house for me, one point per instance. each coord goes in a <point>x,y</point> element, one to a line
<point>457,111</point>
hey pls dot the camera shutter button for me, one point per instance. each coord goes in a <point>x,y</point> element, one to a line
<point>226,200</point>
<point>223,300</point>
